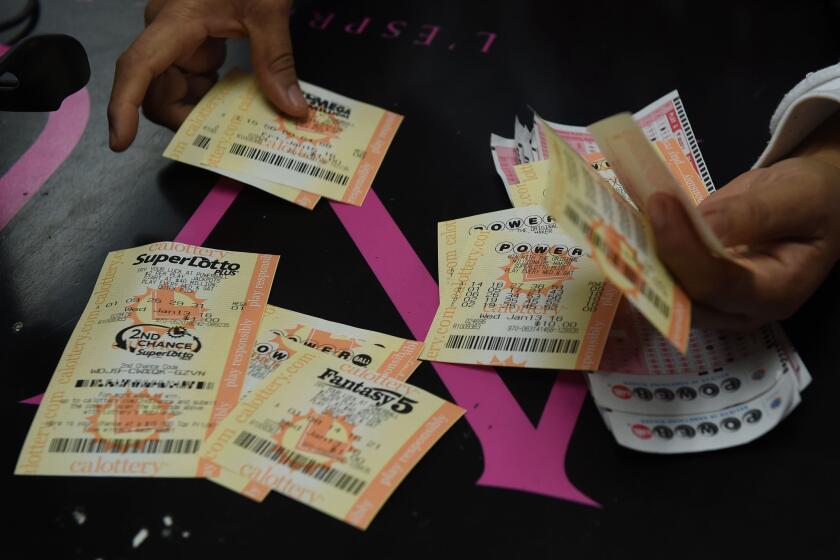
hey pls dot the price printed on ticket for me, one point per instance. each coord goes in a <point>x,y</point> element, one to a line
<point>157,359</point>
<point>336,441</point>
<point>383,353</point>
<point>520,300</point>
<point>619,236</point>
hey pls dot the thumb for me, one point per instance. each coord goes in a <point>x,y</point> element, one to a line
<point>271,55</point>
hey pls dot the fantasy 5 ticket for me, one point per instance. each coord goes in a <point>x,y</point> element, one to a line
<point>157,359</point>
<point>522,300</point>
<point>336,440</point>
<point>335,152</point>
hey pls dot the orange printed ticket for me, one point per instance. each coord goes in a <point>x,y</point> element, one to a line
<point>335,152</point>
<point>619,236</point>
<point>643,172</point>
<point>157,359</point>
<point>201,130</point>
<point>329,435</point>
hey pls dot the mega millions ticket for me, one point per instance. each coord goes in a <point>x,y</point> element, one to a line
<point>157,359</point>
<point>335,152</point>
<point>337,441</point>
<point>205,124</point>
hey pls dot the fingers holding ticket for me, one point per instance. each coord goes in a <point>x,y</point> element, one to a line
<point>173,61</point>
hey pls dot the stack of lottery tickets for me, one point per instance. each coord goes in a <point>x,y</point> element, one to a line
<point>569,279</point>
<point>178,367</point>
<point>335,152</point>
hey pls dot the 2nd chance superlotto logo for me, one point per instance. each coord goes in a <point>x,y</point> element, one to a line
<point>158,341</point>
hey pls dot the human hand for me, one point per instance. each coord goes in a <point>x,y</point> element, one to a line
<point>173,62</point>
<point>782,224</point>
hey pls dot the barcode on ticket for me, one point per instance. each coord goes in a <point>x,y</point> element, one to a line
<point>289,163</point>
<point>201,141</point>
<point>299,463</point>
<point>92,445</point>
<point>615,259</point>
<point>513,344</point>
<point>135,384</point>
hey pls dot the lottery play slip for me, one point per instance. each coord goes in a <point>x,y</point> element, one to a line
<point>334,152</point>
<point>569,279</point>
<point>178,367</point>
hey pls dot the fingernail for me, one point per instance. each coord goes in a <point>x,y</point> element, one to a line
<point>657,211</point>
<point>296,97</point>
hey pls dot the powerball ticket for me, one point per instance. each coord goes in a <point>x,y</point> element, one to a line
<point>719,370</point>
<point>619,237</point>
<point>157,359</point>
<point>382,353</point>
<point>336,441</point>
<point>203,126</point>
<point>724,428</point>
<point>335,152</point>
<point>520,300</point>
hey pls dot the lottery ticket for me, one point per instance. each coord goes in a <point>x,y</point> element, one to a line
<point>390,355</point>
<point>157,359</point>
<point>523,300</point>
<point>202,128</point>
<point>336,441</point>
<point>335,152</point>
<point>664,123</point>
<point>719,370</point>
<point>644,172</point>
<point>619,237</point>
<point>728,427</point>
<point>284,333</point>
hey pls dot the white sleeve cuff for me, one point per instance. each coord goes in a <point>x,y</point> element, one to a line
<point>801,111</point>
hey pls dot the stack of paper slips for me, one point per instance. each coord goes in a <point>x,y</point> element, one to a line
<point>335,152</point>
<point>569,279</point>
<point>179,368</point>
